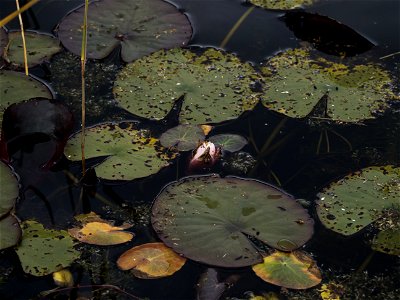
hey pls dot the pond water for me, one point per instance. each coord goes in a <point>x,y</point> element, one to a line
<point>303,158</point>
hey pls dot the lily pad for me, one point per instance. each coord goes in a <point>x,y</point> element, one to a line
<point>16,87</point>
<point>216,86</point>
<point>151,260</point>
<point>183,137</point>
<point>44,251</point>
<point>293,270</point>
<point>140,28</point>
<point>295,83</point>
<point>212,219</point>
<point>40,47</point>
<point>129,153</point>
<point>229,142</point>
<point>10,232</point>
<point>281,4</point>
<point>101,232</point>
<point>388,241</point>
<point>359,199</point>
<point>9,189</point>
<point>3,40</point>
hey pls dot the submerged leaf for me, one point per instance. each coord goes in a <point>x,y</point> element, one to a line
<point>9,189</point>
<point>10,231</point>
<point>129,153</point>
<point>44,251</point>
<point>293,270</point>
<point>216,86</point>
<point>183,137</point>
<point>282,4</point>
<point>140,28</point>
<point>212,220</point>
<point>152,260</point>
<point>295,83</point>
<point>40,47</point>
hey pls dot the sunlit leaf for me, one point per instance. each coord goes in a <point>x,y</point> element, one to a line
<point>9,189</point>
<point>63,278</point>
<point>211,219</point>
<point>229,142</point>
<point>10,231</point>
<point>282,4</point>
<point>388,240</point>
<point>331,291</point>
<point>182,137</point>
<point>129,153</point>
<point>45,251</point>
<point>152,260</point>
<point>140,28</point>
<point>40,47</point>
<point>216,86</point>
<point>294,270</point>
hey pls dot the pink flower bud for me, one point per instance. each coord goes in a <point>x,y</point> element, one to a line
<point>204,156</point>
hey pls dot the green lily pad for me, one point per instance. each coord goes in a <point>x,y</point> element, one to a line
<point>293,270</point>
<point>281,4</point>
<point>387,241</point>
<point>3,40</point>
<point>129,153</point>
<point>183,137</point>
<point>359,199</point>
<point>16,87</point>
<point>40,47</point>
<point>295,83</point>
<point>212,220</point>
<point>140,28</point>
<point>9,189</point>
<point>44,251</point>
<point>10,232</point>
<point>216,86</point>
<point>229,142</point>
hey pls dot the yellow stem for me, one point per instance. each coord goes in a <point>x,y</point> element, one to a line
<point>14,14</point>
<point>236,26</point>
<point>21,24</point>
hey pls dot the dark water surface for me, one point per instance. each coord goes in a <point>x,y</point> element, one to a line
<point>51,198</point>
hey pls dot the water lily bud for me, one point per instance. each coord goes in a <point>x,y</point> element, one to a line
<point>204,156</point>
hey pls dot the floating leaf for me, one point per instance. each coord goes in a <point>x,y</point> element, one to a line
<point>3,40</point>
<point>16,87</point>
<point>100,232</point>
<point>140,28</point>
<point>295,83</point>
<point>359,199</point>
<point>40,47</point>
<point>44,251</point>
<point>130,153</point>
<point>293,270</point>
<point>63,278</point>
<point>9,189</point>
<point>326,34</point>
<point>210,219</point>
<point>388,241</point>
<point>282,4</point>
<point>10,231</point>
<point>216,86</point>
<point>229,142</point>
<point>182,137</point>
<point>152,260</point>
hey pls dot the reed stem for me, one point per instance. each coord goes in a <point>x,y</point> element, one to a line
<point>14,14</point>
<point>236,26</point>
<point>21,24</point>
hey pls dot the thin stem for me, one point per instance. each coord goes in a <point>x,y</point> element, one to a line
<point>251,138</point>
<point>366,262</point>
<point>21,25</point>
<point>390,55</point>
<point>236,26</point>
<point>343,138</point>
<point>276,178</point>
<point>83,102</point>
<point>14,14</point>
<point>319,142</point>
<point>274,133</point>
<point>328,148</point>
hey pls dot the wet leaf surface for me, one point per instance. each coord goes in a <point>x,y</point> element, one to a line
<point>9,189</point>
<point>326,34</point>
<point>10,231</point>
<point>40,47</point>
<point>388,240</point>
<point>293,270</point>
<point>229,142</point>
<point>182,137</point>
<point>129,153</point>
<point>44,251</point>
<point>216,86</point>
<point>97,231</point>
<point>140,28</point>
<point>362,198</point>
<point>282,4</point>
<point>210,219</point>
<point>151,260</point>
<point>295,82</point>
